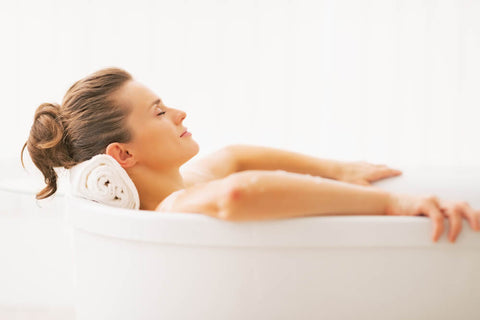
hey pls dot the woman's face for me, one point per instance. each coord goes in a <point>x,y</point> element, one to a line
<point>155,129</point>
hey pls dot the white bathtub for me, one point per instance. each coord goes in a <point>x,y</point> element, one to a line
<point>36,269</point>
<point>147,265</point>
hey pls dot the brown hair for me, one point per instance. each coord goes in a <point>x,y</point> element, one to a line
<point>88,120</point>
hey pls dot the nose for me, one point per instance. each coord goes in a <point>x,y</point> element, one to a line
<point>180,116</point>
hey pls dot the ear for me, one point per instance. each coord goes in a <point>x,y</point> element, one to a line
<point>120,153</point>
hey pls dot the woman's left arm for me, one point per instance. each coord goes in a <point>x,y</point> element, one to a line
<point>250,157</point>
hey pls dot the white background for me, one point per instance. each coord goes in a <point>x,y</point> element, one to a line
<point>387,81</point>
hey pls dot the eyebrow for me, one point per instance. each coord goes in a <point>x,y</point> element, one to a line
<point>154,103</point>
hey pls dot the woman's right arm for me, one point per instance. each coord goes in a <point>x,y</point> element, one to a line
<point>263,195</point>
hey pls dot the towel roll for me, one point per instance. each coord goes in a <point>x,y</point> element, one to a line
<point>102,179</point>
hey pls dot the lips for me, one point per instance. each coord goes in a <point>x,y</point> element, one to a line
<point>183,133</point>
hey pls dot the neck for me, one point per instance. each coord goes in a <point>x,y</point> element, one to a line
<point>154,186</point>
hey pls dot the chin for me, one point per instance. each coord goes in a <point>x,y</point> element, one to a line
<point>195,150</point>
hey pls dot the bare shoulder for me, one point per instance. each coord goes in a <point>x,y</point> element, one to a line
<point>167,204</point>
<point>206,184</point>
<point>204,197</point>
<point>216,165</point>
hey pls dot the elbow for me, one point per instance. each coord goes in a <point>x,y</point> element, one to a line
<point>230,204</point>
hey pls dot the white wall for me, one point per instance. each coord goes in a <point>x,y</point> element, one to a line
<point>388,81</point>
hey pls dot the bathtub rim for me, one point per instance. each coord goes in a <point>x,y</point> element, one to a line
<point>305,232</point>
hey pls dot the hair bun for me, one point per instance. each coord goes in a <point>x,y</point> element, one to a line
<point>46,145</point>
<point>48,126</point>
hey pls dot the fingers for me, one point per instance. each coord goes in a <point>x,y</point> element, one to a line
<point>395,171</point>
<point>438,220</point>
<point>471,215</point>
<point>386,172</point>
<point>392,172</point>
<point>477,219</point>
<point>455,213</point>
<point>455,218</point>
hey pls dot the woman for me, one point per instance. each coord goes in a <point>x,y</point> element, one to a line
<point>109,112</point>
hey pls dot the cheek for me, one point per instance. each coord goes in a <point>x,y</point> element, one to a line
<point>146,140</point>
<point>158,142</point>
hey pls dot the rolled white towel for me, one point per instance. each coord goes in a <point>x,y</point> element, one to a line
<point>102,179</point>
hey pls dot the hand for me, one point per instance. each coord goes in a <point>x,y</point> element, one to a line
<point>362,173</point>
<point>402,204</point>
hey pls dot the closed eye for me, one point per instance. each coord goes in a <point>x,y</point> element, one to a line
<point>161,113</point>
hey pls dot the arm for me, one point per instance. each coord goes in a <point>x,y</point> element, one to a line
<point>249,157</point>
<point>261,195</point>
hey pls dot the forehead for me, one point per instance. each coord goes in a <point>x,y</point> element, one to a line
<point>137,98</point>
<point>137,93</point>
